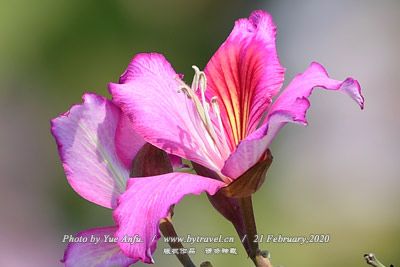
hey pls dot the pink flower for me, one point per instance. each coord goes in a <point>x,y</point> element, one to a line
<point>225,121</point>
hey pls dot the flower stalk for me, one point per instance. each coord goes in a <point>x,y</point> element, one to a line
<point>168,230</point>
<point>373,261</point>
<point>255,253</point>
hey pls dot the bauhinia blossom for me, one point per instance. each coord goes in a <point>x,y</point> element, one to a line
<point>224,121</point>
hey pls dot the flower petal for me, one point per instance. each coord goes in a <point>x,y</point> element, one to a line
<point>164,117</point>
<point>302,86</point>
<point>127,141</point>
<point>85,138</point>
<point>290,106</point>
<point>148,200</point>
<point>92,254</point>
<point>245,74</point>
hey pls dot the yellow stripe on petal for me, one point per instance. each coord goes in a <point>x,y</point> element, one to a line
<point>245,74</point>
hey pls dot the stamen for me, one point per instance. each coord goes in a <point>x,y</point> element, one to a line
<point>217,111</point>
<point>206,106</point>
<point>192,96</point>
<point>184,90</point>
<point>203,82</point>
<point>215,106</point>
<point>195,83</point>
<point>203,109</point>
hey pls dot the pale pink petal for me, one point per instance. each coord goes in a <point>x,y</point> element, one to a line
<point>290,106</point>
<point>85,137</point>
<point>148,200</point>
<point>127,141</point>
<point>164,117</point>
<point>245,74</point>
<point>92,254</point>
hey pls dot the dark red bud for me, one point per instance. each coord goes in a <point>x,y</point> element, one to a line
<point>150,161</point>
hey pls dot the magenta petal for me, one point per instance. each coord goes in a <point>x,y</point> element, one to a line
<point>245,74</point>
<point>148,200</point>
<point>90,254</point>
<point>127,141</point>
<point>164,117</point>
<point>85,138</point>
<point>250,150</point>
<point>303,84</point>
<point>290,106</point>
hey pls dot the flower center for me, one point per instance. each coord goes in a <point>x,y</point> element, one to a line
<point>210,115</point>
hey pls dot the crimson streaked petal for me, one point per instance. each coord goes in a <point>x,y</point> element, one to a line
<point>90,254</point>
<point>85,138</point>
<point>245,74</point>
<point>147,201</point>
<point>290,106</point>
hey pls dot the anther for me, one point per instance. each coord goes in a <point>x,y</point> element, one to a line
<point>203,81</point>
<point>185,90</point>
<point>195,83</point>
<point>215,106</point>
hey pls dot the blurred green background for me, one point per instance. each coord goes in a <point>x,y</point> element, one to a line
<point>339,176</point>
